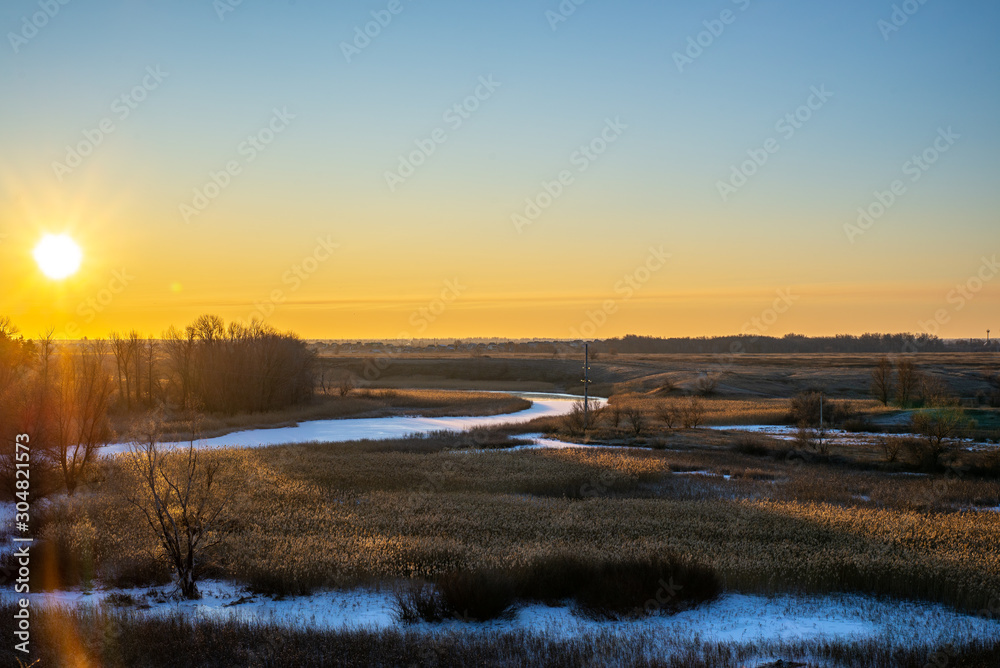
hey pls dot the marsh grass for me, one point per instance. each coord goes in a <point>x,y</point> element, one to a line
<point>311,516</point>
<point>610,589</point>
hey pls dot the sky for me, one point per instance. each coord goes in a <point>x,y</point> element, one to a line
<point>406,168</point>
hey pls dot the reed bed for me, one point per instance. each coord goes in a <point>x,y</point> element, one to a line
<point>309,516</point>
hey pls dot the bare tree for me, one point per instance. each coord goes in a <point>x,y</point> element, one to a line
<point>16,405</point>
<point>346,385</point>
<point>890,448</point>
<point>179,349</point>
<point>123,350</point>
<point>152,374</point>
<point>693,414</point>
<point>176,493</point>
<point>907,382</point>
<point>80,411</point>
<point>135,354</point>
<point>615,413</point>
<point>937,427</point>
<point>934,392</point>
<point>668,414</point>
<point>635,419</point>
<point>881,385</point>
<point>576,421</point>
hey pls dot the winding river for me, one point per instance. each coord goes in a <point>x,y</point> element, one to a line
<point>353,429</point>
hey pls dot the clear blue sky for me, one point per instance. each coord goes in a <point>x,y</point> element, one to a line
<point>657,185</point>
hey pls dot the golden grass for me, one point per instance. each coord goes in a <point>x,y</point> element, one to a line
<point>722,411</point>
<point>311,515</point>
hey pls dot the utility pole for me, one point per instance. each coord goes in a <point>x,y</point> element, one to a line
<point>586,385</point>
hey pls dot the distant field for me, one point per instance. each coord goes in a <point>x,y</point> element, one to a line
<point>777,375</point>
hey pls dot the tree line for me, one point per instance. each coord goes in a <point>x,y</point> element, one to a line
<point>790,343</point>
<point>66,395</point>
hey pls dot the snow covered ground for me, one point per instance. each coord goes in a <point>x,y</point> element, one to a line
<point>787,433</point>
<point>733,617</point>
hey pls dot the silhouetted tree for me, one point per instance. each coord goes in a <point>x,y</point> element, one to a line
<point>176,493</point>
<point>907,382</point>
<point>83,391</point>
<point>882,381</point>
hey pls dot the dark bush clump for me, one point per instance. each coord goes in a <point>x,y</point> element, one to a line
<point>629,589</point>
<point>477,595</point>
<point>750,444</point>
<point>418,601</point>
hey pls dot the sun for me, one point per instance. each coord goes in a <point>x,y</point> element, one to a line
<point>58,256</point>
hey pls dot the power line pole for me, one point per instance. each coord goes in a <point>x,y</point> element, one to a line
<point>586,385</point>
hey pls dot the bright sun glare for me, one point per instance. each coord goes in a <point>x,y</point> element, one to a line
<point>58,256</point>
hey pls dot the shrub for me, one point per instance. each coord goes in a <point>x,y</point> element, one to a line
<point>477,595</point>
<point>554,578</point>
<point>668,414</point>
<point>628,589</point>
<point>707,384</point>
<point>856,424</point>
<point>693,413</point>
<point>119,599</point>
<point>636,420</point>
<point>805,408</point>
<point>891,447</point>
<point>582,417</point>
<point>418,601</point>
<point>615,414</point>
<point>747,443</point>
<point>937,427</point>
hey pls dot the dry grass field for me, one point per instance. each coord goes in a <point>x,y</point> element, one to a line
<point>307,516</point>
<point>750,375</point>
<point>477,510</point>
